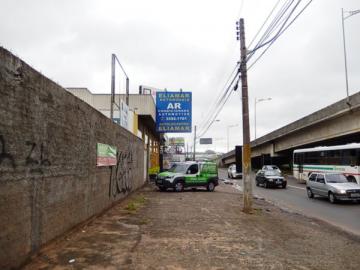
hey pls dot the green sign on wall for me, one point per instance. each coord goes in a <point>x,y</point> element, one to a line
<point>106,155</point>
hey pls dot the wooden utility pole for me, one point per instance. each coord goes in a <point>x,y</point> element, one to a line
<point>246,164</point>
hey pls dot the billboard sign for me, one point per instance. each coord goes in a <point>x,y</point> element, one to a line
<point>173,112</point>
<point>147,90</point>
<point>105,155</point>
<point>177,141</point>
<point>124,115</point>
<point>205,140</point>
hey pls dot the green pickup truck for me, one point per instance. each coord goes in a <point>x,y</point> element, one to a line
<point>189,174</point>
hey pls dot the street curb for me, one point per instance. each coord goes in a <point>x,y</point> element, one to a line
<point>342,230</point>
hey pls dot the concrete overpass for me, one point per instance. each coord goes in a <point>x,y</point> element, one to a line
<point>338,123</point>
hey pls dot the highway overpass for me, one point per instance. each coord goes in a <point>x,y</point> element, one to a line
<point>338,123</point>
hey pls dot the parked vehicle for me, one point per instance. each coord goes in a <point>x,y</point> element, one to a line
<point>271,167</point>
<point>270,178</point>
<point>232,173</point>
<point>343,159</point>
<point>335,186</point>
<point>189,174</point>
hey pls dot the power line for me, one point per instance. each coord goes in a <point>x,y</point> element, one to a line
<point>219,106</point>
<point>273,25</point>
<point>262,26</point>
<point>219,98</point>
<point>284,28</point>
<point>278,23</point>
<point>215,110</point>
<point>228,93</point>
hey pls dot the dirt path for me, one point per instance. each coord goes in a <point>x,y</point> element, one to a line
<point>200,230</point>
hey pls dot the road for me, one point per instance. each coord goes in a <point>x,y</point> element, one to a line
<point>345,215</point>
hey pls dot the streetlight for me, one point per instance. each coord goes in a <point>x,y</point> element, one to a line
<point>228,128</point>
<point>351,13</point>
<point>257,101</point>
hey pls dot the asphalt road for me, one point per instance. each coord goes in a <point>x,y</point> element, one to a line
<point>345,215</point>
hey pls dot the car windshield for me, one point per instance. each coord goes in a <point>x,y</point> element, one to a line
<point>272,173</point>
<point>178,168</point>
<point>270,167</point>
<point>336,178</point>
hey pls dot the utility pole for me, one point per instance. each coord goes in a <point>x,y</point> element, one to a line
<point>247,187</point>
<point>112,87</point>
<point>194,143</point>
<point>127,91</point>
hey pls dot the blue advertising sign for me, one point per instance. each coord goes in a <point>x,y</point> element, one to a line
<point>173,112</point>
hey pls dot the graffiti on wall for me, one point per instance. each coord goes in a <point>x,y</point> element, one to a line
<point>35,156</point>
<point>4,155</point>
<point>121,174</point>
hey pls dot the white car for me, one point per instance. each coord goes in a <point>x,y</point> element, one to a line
<point>232,172</point>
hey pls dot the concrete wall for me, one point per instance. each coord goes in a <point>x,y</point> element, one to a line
<point>49,181</point>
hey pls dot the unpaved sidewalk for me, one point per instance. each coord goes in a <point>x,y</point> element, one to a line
<point>200,230</point>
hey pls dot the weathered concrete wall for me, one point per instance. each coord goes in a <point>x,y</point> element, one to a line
<point>49,181</point>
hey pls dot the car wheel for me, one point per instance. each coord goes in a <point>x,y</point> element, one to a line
<point>257,183</point>
<point>162,188</point>
<point>210,187</point>
<point>179,186</point>
<point>310,193</point>
<point>283,185</point>
<point>266,184</point>
<point>332,197</point>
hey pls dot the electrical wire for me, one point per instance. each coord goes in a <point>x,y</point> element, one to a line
<point>212,118</point>
<point>262,26</point>
<point>282,26</point>
<point>273,25</point>
<point>279,24</point>
<point>227,96</point>
<point>219,98</point>
<point>280,33</point>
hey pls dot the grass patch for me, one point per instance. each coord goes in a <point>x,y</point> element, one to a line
<point>135,204</point>
<point>257,211</point>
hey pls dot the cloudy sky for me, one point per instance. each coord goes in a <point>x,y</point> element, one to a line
<point>190,45</point>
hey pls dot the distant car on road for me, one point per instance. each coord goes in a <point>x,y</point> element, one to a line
<point>270,167</point>
<point>335,186</point>
<point>270,178</point>
<point>232,172</point>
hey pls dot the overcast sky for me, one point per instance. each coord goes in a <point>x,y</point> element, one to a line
<point>190,45</point>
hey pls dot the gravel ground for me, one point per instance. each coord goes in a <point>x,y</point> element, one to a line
<point>200,230</point>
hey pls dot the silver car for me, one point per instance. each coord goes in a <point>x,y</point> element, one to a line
<point>335,186</point>
<point>232,172</point>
